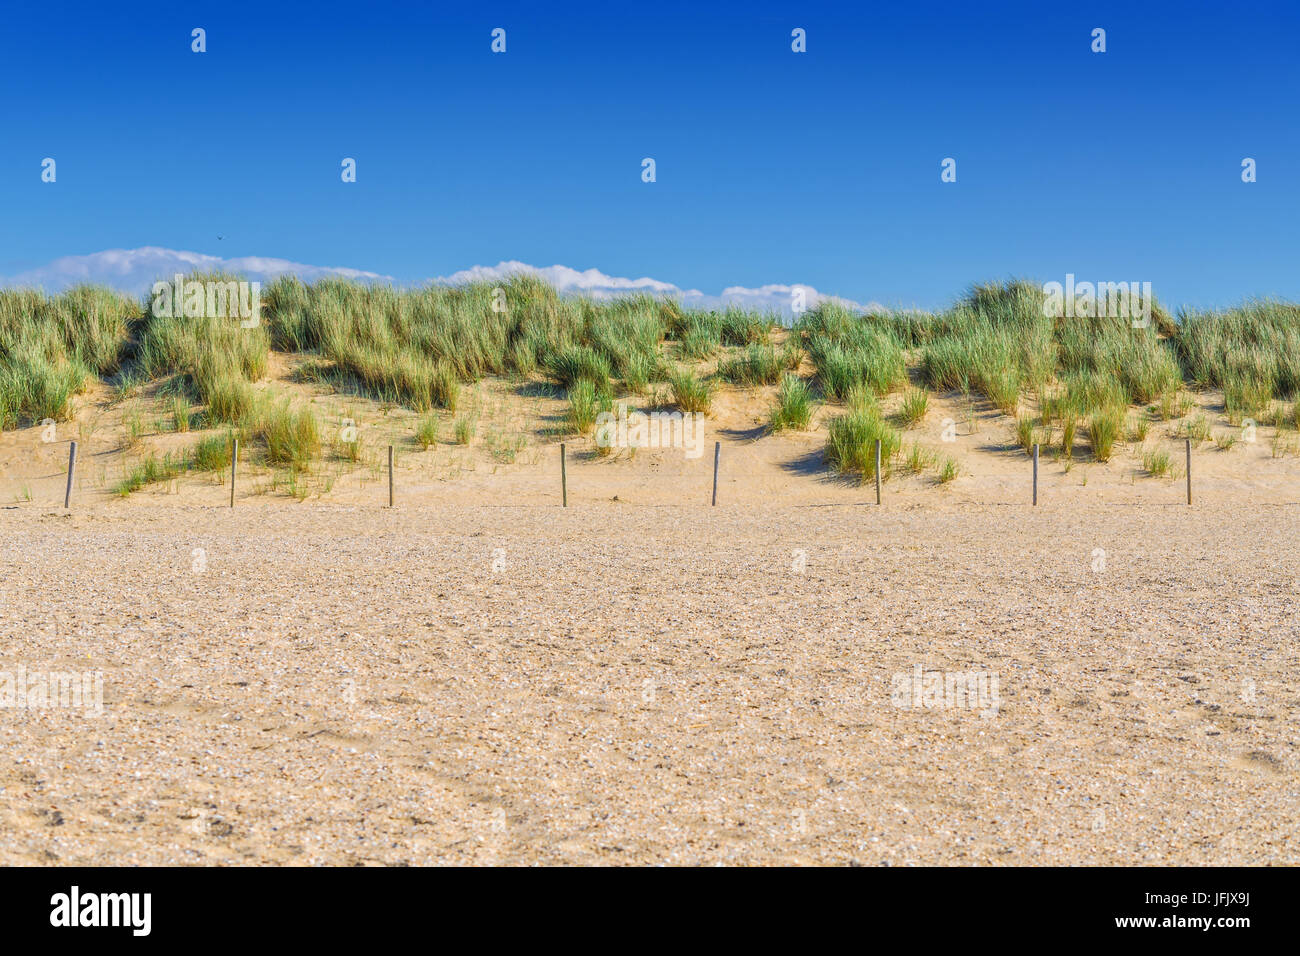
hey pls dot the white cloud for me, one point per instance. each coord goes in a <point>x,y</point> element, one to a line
<point>591,282</point>
<point>135,270</point>
<point>598,285</point>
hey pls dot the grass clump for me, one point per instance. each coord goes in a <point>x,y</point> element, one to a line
<point>1251,352</point>
<point>793,404</point>
<point>916,403</point>
<point>1104,429</point>
<point>690,392</point>
<point>700,338</point>
<point>1174,403</point>
<point>639,371</point>
<point>213,355</point>
<point>291,436</point>
<point>1157,462</point>
<point>51,346</point>
<point>1026,433</point>
<point>918,458</point>
<point>871,358</point>
<point>180,414</point>
<point>464,429</point>
<point>149,471</point>
<point>741,327</point>
<point>212,453</point>
<point>851,443</point>
<point>757,365</point>
<point>580,363</point>
<point>426,432</point>
<point>1284,443</point>
<point>1069,427</point>
<point>1197,428</point>
<point>584,403</point>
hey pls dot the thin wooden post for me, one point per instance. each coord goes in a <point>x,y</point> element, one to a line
<point>1035,473</point>
<point>717,451</point>
<point>234,461</point>
<point>564,478</point>
<point>72,467</point>
<point>390,476</point>
<point>877,471</point>
<point>1189,470</point>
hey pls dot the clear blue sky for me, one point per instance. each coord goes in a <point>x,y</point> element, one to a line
<point>773,167</point>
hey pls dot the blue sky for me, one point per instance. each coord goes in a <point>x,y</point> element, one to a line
<point>772,167</point>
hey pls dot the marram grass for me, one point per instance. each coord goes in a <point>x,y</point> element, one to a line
<point>416,348</point>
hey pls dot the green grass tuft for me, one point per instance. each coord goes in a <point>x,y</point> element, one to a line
<point>851,444</point>
<point>793,404</point>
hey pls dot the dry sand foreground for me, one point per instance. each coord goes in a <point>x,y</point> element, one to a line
<point>638,684</point>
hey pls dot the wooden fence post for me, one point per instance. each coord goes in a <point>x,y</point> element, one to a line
<point>1035,473</point>
<point>234,461</point>
<point>390,476</point>
<point>717,451</point>
<point>72,467</point>
<point>1189,470</point>
<point>877,471</point>
<point>564,478</point>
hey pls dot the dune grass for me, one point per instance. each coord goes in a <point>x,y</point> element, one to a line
<point>759,364</point>
<point>291,436</point>
<point>51,347</point>
<point>1104,429</point>
<point>690,392</point>
<point>212,453</point>
<point>151,470</point>
<point>851,442</point>
<point>417,348</point>
<point>1157,462</point>
<point>849,350</point>
<point>793,404</point>
<point>464,429</point>
<point>426,432</point>
<point>583,406</point>
<point>1251,352</point>
<point>209,454</point>
<point>916,403</point>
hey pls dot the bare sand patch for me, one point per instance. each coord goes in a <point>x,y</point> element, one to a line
<point>624,683</point>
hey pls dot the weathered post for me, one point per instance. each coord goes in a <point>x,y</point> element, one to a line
<point>72,467</point>
<point>1189,470</point>
<point>390,476</point>
<point>717,451</point>
<point>564,478</point>
<point>1035,473</point>
<point>234,461</point>
<point>877,471</point>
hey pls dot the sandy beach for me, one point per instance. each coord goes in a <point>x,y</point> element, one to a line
<point>618,684</point>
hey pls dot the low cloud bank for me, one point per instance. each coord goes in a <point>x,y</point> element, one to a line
<point>135,270</point>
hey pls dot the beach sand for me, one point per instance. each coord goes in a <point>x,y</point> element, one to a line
<point>616,684</point>
<point>480,676</point>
